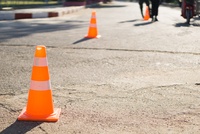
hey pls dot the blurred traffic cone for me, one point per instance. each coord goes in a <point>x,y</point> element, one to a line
<point>147,14</point>
<point>40,105</point>
<point>92,31</point>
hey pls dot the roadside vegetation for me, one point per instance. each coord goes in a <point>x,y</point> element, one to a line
<point>27,3</point>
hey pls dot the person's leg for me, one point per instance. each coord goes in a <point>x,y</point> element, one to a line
<point>141,7</point>
<point>156,9</point>
<point>147,3</point>
<point>153,9</point>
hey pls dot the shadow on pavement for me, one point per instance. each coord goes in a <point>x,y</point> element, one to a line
<point>128,21</point>
<point>107,6</point>
<point>196,24</point>
<point>196,21</point>
<point>70,21</point>
<point>81,40</point>
<point>196,18</point>
<point>187,25</point>
<point>193,22</point>
<point>182,25</point>
<point>18,29</point>
<point>20,127</point>
<point>143,24</point>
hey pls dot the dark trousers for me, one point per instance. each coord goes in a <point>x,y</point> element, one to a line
<point>155,5</point>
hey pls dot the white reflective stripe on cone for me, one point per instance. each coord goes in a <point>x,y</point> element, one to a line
<point>40,85</point>
<point>41,62</point>
<point>93,25</point>
<point>93,16</point>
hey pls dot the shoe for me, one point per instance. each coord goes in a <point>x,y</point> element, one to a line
<point>156,19</point>
<point>152,20</point>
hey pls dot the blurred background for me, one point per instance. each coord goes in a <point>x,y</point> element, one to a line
<point>44,3</point>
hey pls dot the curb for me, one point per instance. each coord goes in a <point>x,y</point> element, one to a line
<point>32,14</point>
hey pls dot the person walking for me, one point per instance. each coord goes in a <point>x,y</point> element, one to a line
<point>155,5</point>
<point>141,6</point>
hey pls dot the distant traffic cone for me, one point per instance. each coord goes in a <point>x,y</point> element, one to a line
<point>147,14</point>
<point>40,105</point>
<point>92,31</point>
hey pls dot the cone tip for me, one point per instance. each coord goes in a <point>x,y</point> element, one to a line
<point>94,12</point>
<point>40,51</point>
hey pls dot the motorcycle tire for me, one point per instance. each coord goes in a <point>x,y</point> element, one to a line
<point>188,14</point>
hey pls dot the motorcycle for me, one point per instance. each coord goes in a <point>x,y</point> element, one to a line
<point>188,10</point>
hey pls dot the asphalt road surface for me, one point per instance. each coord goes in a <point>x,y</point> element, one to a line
<point>138,78</point>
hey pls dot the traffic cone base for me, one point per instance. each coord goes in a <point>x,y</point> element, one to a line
<point>98,36</point>
<point>51,118</point>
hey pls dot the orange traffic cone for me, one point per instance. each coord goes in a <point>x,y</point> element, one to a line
<point>92,31</point>
<point>40,105</point>
<point>147,15</point>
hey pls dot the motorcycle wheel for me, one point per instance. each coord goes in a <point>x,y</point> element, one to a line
<point>188,14</point>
